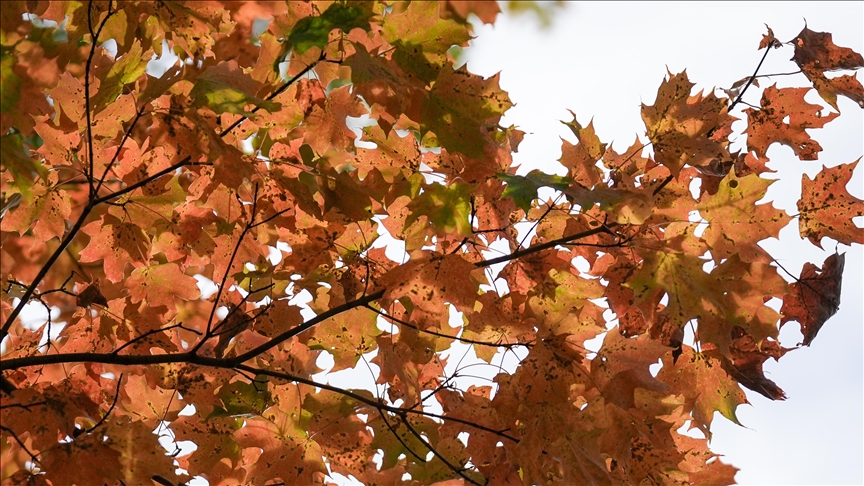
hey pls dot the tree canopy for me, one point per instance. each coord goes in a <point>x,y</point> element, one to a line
<point>206,236</point>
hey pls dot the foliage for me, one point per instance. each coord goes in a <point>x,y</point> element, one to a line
<point>122,189</point>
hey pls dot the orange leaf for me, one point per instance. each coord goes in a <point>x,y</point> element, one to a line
<point>826,207</point>
<point>768,124</point>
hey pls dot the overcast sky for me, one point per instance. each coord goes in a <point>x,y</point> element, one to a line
<point>602,60</point>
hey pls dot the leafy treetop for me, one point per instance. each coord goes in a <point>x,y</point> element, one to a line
<point>241,164</point>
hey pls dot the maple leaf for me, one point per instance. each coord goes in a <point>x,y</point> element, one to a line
<point>461,9</point>
<point>815,296</point>
<point>448,208</point>
<point>581,159</point>
<point>816,53</point>
<point>686,129</point>
<point>523,189</point>
<point>125,70</point>
<point>115,243</point>
<point>826,208</point>
<point>567,310</point>
<point>767,125</point>
<point>46,210</point>
<point>326,125</point>
<point>746,362</point>
<point>346,337</point>
<point>431,281</point>
<point>422,39</point>
<point>393,155</point>
<point>621,365</point>
<point>459,107</point>
<point>700,377</point>
<point>160,284</point>
<point>735,223</point>
<point>314,31</point>
<point>286,451</point>
<point>217,454</point>
<point>224,88</point>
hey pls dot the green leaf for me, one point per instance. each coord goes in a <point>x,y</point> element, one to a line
<point>225,88</point>
<point>241,398</point>
<point>127,69</point>
<point>314,31</point>
<point>19,163</point>
<point>523,189</point>
<point>447,208</point>
<point>10,82</point>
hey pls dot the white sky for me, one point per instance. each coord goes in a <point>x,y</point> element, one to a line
<point>602,60</point>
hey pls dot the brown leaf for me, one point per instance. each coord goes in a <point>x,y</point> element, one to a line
<point>746,361</point>
<point>768,40</point>
<point>816,53</point>
<point>91,295</point>
<point>686,129</point>
<point>815,297</point>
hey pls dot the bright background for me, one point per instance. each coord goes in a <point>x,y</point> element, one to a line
<point>602,60</point>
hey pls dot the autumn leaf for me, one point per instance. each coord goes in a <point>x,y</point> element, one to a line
<point>581,159</point>
<point>314,31</point>
<point>422,39</point>
<point>225,89</point>
<point>448,208</point>
<point>685,129</point>
<point>735,222</point>
<point>160,284</point>
<point>700,377</point>
<point>826,207</point>
<point>816,53</point>
<point>815,296</point>
<point>460,107</point>
<point>125,70</point>
<point>115,243</point>
<point>747,358</point>
<point>768,124</point>
<point>346,337</point>
<point>45,210</point>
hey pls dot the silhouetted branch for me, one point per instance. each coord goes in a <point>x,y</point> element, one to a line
<point>111,408</point>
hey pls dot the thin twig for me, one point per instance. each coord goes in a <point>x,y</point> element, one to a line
<point>750,81</point>
<point>111,408</point>
<point>459,471</point>
<point>447,336</point>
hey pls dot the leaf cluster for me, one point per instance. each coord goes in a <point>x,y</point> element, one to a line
<point>128,193</point>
